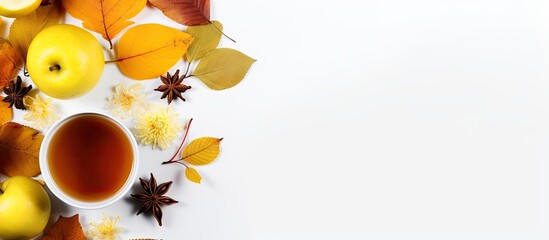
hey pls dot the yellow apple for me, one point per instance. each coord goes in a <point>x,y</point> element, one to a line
<point>18,8</point>
<point>65,61</point>
<point>24,208</point>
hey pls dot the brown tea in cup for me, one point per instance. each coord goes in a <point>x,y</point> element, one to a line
<point>90,157</point>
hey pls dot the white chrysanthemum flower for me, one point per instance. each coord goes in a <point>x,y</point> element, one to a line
<point>158,126</point>
<point>40,111</point>
<point>127,101</point>
<point>107,229</point>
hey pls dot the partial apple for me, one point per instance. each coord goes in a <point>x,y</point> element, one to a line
<point>25,208</point>
<point>65,61</point>
<point>18,8</point>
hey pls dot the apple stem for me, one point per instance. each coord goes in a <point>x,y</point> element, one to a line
<point>55,67</point>
<point>1,192</point>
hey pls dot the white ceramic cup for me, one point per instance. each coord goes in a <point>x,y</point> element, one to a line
<point>75,202</point>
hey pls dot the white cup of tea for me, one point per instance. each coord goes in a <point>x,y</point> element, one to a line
<point>89,160</point>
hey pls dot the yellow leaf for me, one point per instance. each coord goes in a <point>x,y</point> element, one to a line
<point>206,39</point>
<point>9,62</point>
<point>202,151</point>
<point>106,17</point>
<point>193,175</point>
<point>40,181</point>
<point>223,68</point>
<point>24,29</point>
<point>6,113</point>
<point>149,50</point>
<point>19,147</point>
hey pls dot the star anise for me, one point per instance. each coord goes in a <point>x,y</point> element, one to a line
<point>173,86</point>
<point>45,3</point>
<point>153,197</point>
<point>16,93</point>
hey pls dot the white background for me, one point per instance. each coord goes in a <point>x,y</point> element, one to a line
<point>381,120</point>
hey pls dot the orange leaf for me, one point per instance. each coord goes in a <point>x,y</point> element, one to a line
<point>9,62</point>
<point>40,181</point>
<point>6,113</point>
<point>65,229</point>
<point>149,50</point>
<point>106,17</point>
<point>24,29</point>
<point>19,147</point>
<point>192,175</point>
<point>186,12</point>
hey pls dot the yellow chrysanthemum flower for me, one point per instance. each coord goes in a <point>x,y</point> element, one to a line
<point>40,111</point>
<point>127,101</point>
<point>158,126</point>
<point>107,229</point>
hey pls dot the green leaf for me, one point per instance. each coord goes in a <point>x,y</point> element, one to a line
<point>223,68</point>
<point>206,39</point>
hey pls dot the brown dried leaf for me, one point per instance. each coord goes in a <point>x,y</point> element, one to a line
<point>186,12</point>
<point>9,62</point>
<point>24,29</point>
<point>65,229</point>
<point>19,148</point>
<point>6,113</point>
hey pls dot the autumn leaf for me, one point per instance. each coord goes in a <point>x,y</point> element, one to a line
<point>149,50</point>
<point>9,62</point>
<point>186,12</point>
<point>106,17</point>
<point>40,181</point>
<point>19,147</point>
<point>6,113</point>
<point>223,68</point>
<point>24,29</point>
<point>192,175</point>
<point>206,38</point>
<point>65,229</point>
<point>201,151</point>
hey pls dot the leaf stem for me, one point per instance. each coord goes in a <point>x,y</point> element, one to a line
<point>187,71</point>
<point>105,24</point>
<point>182,142</point>
<point>182,163</point>
<point>219,30</point>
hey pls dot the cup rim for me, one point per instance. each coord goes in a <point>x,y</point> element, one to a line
<point>54,188</point>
